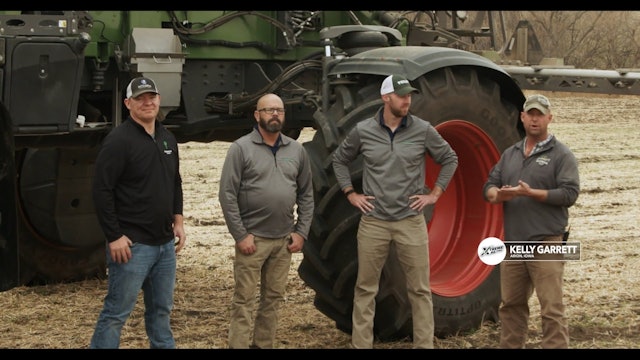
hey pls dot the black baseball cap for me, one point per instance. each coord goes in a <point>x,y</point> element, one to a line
<point>141,85</point>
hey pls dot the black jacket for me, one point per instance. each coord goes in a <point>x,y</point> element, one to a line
<point>138,188</point>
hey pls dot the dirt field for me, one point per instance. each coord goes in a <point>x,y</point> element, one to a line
<point>601,290</point>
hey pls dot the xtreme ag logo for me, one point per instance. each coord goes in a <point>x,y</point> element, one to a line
<point>491,251</point>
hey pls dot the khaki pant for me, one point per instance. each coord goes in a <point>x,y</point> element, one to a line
<point>411,241</point>
<point>270,265</point>
<point>518,280</point>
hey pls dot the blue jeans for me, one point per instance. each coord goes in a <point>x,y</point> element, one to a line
<point>152,269</point>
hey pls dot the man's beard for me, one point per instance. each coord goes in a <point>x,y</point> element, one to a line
<point>399,112</point>
<point>270,126</point>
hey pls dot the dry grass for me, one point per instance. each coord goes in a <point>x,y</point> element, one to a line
<point>601,290</point>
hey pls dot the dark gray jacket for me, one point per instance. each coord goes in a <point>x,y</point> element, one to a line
<point>394,167</point>
<point>260,189</point>
<point>553,168</point>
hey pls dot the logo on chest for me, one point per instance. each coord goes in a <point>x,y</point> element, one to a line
<point>543,160</point>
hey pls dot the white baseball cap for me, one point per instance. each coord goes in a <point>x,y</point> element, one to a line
<point>396,84</point>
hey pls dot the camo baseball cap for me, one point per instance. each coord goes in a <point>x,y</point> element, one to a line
<point>396,84</point>
<point>539,102</point>
<point>141,85</point>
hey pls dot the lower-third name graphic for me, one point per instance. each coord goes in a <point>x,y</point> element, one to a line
<point>541,251</point>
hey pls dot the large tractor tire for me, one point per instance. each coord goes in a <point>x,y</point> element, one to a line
<point>60,239</point>
<point>465,104</point>
<point>9,268</point>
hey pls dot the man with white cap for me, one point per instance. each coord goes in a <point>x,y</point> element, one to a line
<point>137,192</point>
<point>394,145</point>
<point>536,180</point>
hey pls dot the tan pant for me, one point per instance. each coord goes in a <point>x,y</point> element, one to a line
<point>411,242</point>
<point>270,265</point>
<point>518,280</point>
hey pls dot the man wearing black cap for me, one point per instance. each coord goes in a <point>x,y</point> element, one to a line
<point>393,145</point>
<point>536,180</point>
<point>138,198</point>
